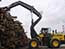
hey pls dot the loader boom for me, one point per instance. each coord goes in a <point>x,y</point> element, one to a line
<point>30,8</point>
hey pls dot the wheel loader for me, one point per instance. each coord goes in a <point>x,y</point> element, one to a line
<point>47,39</point>
<point>44,38</point>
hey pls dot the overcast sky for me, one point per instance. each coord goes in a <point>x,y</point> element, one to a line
<point>53,14</point>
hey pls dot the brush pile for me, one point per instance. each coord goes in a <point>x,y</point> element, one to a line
<point>12,34</point>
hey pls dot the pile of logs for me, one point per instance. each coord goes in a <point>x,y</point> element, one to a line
<point>12,34</point>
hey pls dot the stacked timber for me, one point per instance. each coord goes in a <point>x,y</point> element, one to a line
<point>12,34</point>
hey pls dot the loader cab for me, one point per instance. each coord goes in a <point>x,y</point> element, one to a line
<point>45,30</point>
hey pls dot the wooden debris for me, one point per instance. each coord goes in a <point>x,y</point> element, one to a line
<point>12,34</point>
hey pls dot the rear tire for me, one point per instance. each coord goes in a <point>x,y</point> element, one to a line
<point>55,43</point>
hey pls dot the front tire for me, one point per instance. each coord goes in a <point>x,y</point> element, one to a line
<point>33,43</point>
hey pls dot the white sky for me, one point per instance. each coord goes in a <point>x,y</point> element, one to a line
<point>53,13</point>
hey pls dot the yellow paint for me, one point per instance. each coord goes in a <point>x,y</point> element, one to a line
<point>41,35</point>
<point>58,36</point>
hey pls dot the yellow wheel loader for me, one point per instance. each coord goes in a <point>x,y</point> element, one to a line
<point>47,39</point>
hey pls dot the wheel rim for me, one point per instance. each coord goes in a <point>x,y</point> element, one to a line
<point>33,43</point>
<point>55,43</point>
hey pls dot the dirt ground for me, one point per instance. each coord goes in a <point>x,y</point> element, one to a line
<point>45,47</point>
<point>51,48</point>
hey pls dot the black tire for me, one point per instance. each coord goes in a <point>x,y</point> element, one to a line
<point>37,43</point>
<point>51,43</point>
